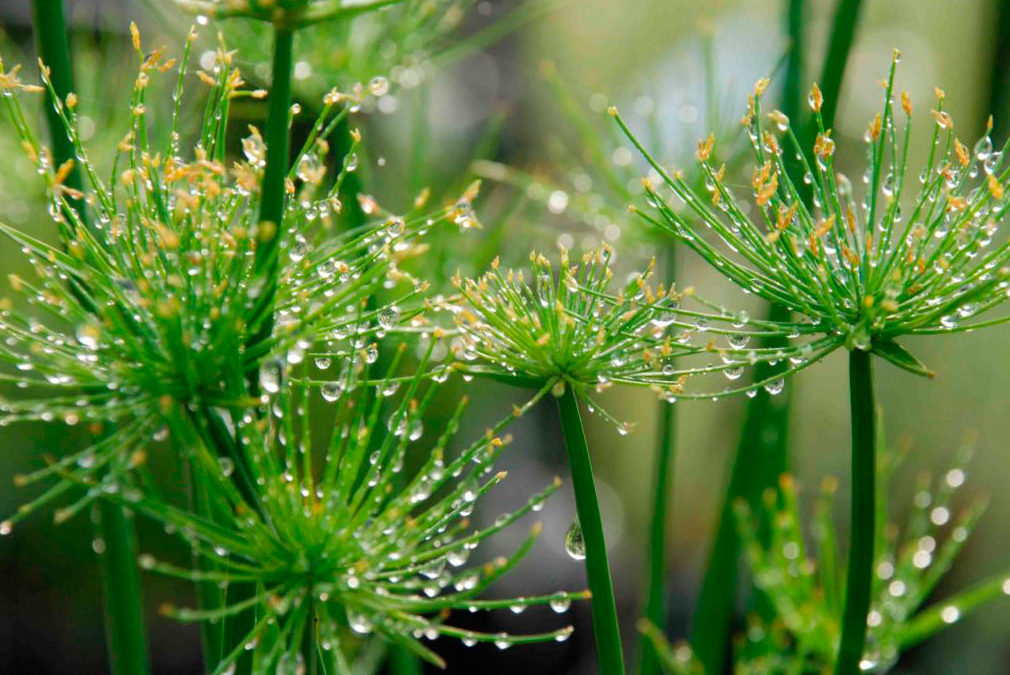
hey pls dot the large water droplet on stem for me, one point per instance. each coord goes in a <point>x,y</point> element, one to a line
<point>575,544</point>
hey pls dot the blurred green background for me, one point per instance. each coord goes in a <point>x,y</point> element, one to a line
<point>50,611</point>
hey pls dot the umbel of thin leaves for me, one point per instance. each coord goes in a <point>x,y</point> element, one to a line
<point>343,536</point>
<point>805,587</point>
<point>157,301</point>
<point>568,330</point>
<point>804,583</point>
<point>896,251</point>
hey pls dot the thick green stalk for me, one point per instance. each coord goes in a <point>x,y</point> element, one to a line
<point>54,49</point>
<point>762,451</point>
<point>124,616</point>
<point>403,662</point>
<point>761,454</point>
<point>859,579</point>
<point>655,602</point>
<point>842,34</point>
<point>212,634</point>
<point>760,457</point>
<point>999,81</point>
<point>310,649</point>
<point>606,630</point>
<point>277,137</point>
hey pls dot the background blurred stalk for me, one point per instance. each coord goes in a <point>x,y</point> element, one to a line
<point>277,138</point>
<point>666,448</point>
<point>862,531</point>
<point>272,202</point>
<point>124,616</point>
<point>606,630</point>
<point>762,452</point>
<point>53,46</point>
<point>1000,78</point>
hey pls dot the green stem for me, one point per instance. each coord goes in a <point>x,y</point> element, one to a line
<point>844,31</point>
<point>310,652</point>
<point>761,454</point>
<point>605,626</point>
<point>655,603</point>
<point>859,580</point>
<point>999,81</point>
<point>209,593</point>
<point>53,48</point>
<point>277,138</point>
<point>124,618</point>
<point>403,662</point>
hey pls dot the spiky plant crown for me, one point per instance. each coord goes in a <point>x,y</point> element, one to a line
<point>867,269</point>
<point>805,584</point>
<point>568,330</point>
<point>342,535</point>
<point>157,302</point>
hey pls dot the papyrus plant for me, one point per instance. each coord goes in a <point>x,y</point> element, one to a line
<point>154,301</point>
<point>567,332</point>
<point>344,544</point>
<point>157,296</point>
<point>798,569</point>
<point>912,253</point>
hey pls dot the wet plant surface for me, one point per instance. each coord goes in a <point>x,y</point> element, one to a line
<point>347,343</point>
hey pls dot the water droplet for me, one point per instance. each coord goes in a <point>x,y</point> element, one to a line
<point>331,391</point>
<point>378,86</point>
<point>88,336</point>
<point>575,545</point>
<point>950,614</point>
<point>775,386</point>
<point>359,622</point>
<point>271,375</point>
<point>227,466</point>
<point>560,603</point>
<point>388,317</point>
<point>458,557</point>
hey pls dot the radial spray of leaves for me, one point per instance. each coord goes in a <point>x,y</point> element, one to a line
<point>864,271</point>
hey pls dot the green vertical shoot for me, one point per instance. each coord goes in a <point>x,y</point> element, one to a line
<point>54,50</point>
<point>124,617</point>
<point>278,142</point>
<point>862,531</point>
<point>655,601</point>
<point>761,454</point>
<point>606,630</point>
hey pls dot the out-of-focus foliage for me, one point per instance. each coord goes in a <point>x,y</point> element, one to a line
<point>801,573</point>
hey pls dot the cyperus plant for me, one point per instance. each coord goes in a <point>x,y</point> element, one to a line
<point>799,574</point>
<point>161,288</point>
<point>342,546</point>
<point>569,334</point>
<point>864,270</point>
<point>155,295</point>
